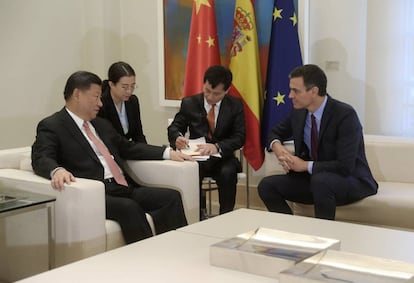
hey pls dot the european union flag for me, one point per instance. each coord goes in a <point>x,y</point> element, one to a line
<point>284,56</point>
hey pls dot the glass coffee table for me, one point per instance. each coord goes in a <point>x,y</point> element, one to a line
<point>26,233</point>
<point>14,199</point>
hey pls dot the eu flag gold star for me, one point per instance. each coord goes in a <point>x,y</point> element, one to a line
<point>277,13</point>
<point>294,19</point>
<point>280,98</point>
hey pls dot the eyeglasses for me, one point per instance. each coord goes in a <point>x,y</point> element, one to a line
<point>129,87</point>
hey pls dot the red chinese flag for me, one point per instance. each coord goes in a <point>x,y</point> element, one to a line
<point>245,65</point>
<point>203,49</point>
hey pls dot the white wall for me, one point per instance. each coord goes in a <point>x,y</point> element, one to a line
<point>337,43</point>
<point>366,48</point>
<point>38,49</point>
<point>390,67</point>
<point>44,41</point>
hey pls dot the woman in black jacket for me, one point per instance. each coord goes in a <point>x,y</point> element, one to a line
<point>120,105</point>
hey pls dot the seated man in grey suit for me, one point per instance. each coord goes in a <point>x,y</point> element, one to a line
<point>73,142</point>
<point>219,118</point>
<point>329,167</point>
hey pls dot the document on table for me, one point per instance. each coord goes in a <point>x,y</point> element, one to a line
<point>192,149</point>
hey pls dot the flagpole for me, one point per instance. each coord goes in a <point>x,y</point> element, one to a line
<point>304,27</point>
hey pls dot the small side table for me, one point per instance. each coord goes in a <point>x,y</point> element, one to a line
<point>26,233</point>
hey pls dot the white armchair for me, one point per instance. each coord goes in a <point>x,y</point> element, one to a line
<point>81,229</point>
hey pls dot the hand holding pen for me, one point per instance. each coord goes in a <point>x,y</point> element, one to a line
<point>181,143</point>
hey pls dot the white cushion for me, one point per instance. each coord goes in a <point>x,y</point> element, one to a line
<point>26,162</point>
<point>390,207</point>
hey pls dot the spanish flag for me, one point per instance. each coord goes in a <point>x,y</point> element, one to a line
<point>245,66</point>
<point>203,48</point>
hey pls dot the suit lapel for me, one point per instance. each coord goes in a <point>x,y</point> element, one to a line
<point>203,114</point>
<point>113,113</point>
<point>222,115</point>
<point>301,120</point>
<point>103,133</point>
<point>326,117</point>
<point>76,133</point>
<point>131,112</point>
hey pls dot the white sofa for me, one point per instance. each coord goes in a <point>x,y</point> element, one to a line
<point>81,229</point>
<point>390,159</point>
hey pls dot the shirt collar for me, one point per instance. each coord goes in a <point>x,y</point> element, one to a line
<point>76,118</point>
<point>318,113</point>
<point>207,106</point>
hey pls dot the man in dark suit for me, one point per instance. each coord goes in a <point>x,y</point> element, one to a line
<point>329,167</point>
<point>224,134</point>
<point>73,142</point>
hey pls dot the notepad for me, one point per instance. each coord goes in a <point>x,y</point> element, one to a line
<point>192,149</point>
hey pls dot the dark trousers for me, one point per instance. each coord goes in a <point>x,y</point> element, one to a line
<point>224,171</point>
<point>128,205</point>
<point>325,190</point>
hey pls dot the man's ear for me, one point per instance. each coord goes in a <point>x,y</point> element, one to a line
<point>315,90</point>
<point>76,93</point>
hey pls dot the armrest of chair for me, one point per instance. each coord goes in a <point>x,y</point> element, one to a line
<point>180,176</point>
<point>79,215</point>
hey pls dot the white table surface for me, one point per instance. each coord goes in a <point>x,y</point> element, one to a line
<point>183,255</point>
<point>368,240</point>
<point>168,258</point>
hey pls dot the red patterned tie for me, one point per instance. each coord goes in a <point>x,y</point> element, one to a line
<point>211,120</point>
<point>115,170</point>
<point>314,138</point>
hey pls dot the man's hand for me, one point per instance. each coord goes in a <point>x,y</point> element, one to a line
<point>179,156</point>
<point>293,163</point>
<point>181,143</point>
<point>288,161</point>
<point>207,149</point>
<point>60,178</point>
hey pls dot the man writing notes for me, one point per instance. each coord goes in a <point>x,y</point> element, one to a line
<point>329,166</point>
<point>219,118</point>
<point>73,142</point>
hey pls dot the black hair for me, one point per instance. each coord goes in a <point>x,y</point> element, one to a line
<point>312,76</point>
<point>81,80</point>
<point>116,71</point>
<point>216,75</point>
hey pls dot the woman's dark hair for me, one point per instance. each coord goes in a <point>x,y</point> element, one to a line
<point>218,74</point>
<point>116,71</point>
<point>312,76</point>
<point>81,80</point>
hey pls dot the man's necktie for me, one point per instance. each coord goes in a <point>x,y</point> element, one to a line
<point>211,120</point>
<point>115,170</point>
<point>314,138</point>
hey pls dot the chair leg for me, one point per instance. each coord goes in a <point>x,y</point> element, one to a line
<point>247,187</point>
<point>210,212</point>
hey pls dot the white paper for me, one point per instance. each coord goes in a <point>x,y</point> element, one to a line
<point>192,149</point>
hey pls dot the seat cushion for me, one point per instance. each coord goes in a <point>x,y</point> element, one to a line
<point>388,208</point>
<point>114,237</point>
